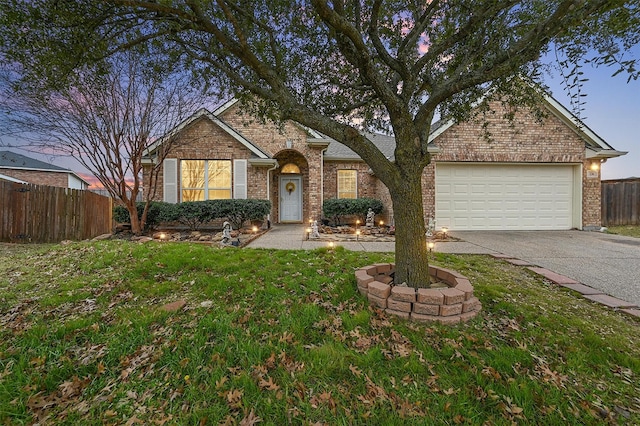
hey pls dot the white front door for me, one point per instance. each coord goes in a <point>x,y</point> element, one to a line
<point>290,199</point>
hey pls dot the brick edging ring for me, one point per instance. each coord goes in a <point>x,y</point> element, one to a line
<point>451,305</point>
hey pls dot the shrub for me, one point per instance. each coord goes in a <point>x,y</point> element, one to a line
<point>337,208</point>
<point>239,211</point>
<point>196,213</point>
<point>158,212</point>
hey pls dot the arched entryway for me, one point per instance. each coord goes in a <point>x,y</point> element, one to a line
<point>290,180</point>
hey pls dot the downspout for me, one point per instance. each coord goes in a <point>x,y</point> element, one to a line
<point>322,179</point>
<point>275,166</point>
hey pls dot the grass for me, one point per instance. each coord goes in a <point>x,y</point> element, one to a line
<point>628,230</point>
<point>283,337</point>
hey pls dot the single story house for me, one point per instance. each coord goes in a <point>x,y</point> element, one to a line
<point>531,174</point>
<point>29,170</point>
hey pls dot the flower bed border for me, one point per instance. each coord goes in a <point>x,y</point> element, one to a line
<point>448,305</point>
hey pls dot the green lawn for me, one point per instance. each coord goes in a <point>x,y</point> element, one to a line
<point>283,337</point>
<point>628,230</point>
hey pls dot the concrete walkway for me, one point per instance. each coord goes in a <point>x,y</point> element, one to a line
<point>603,265</point>
<point>293,237</point>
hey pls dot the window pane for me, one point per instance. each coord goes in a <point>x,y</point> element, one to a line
<point>290,168</point>
<point>219,174</point>
<point>347,184</point>
<point>192,173</point>
<point>192,195</point>
<point>219,194</point>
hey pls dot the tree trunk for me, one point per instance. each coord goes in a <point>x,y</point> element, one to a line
<point>134,220</point>
<point>412,263</point>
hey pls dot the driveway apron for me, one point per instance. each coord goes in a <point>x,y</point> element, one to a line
<point>609,263</point>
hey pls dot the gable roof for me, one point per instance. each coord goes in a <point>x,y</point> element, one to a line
<point>225,106</point>
<point>595,145</point>
<point>205,113</point>
<point>337,151</point>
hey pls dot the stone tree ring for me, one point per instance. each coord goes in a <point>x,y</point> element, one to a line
<point>290,187</point>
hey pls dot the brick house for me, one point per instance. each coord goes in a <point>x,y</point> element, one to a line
<point>19,168</point>
<point>530,174</point>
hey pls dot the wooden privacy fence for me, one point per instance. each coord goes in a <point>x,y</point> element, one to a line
<point>621,202</point>
<point>47,214</point>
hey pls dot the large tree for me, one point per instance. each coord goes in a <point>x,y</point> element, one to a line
<point>105,115</point>
<point>343,66</point>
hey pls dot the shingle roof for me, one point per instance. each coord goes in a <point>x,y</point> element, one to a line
<point>385,143</point>
<point>11,160</point>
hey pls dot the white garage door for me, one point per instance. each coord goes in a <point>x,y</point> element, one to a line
<point>505,197</point>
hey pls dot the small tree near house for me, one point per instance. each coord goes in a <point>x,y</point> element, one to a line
<point>104,116</point>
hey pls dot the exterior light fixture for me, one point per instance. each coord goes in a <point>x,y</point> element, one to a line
<point>254,229</point>
<point>357,234</point>
<point>382,223</point>
<point>308,233</point>
<point>331,245</point>
<point>162,236</point>
<point>430,246</point>
<point>595,166</point>
<point>445,230</point>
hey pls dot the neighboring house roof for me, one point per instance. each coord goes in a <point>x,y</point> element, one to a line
<point>203,112</point>
<point>11,160</point>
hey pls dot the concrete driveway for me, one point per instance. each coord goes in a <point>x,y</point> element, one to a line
<point>609,263</point>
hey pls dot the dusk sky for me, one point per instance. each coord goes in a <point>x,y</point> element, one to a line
<point>611,110</point>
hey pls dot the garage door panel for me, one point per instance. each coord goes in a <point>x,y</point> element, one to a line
<point>523,197</point>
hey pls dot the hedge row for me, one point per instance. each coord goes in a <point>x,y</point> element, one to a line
<point>194,214</point>
<point>337,208</point>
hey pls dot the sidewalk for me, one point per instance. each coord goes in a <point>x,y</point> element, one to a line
<point>293,237</point>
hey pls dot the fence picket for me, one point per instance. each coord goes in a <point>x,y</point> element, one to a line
<point>47,214</point>
<point>621,202</point>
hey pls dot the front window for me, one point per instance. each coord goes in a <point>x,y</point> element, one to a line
<point>347,184</point>
<point>205,179</point>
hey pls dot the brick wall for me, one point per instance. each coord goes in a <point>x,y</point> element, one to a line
<point>38,177</point>
<point>286,143</point>
<point>524,140</point>
<point>591,194</point>
<point>204,140</point>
